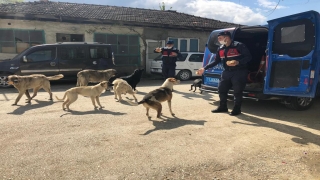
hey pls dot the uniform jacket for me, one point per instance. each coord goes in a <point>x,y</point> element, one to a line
<point>167,57</point>
<point>236,51</point>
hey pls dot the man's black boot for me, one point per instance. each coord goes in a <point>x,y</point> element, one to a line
<point>220,109</point>
<point>236,111</point>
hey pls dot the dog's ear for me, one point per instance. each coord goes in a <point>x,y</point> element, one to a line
<point>12,81</point>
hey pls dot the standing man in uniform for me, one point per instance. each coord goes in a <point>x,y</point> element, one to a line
<point>234,57</point>
<point>169,58</point>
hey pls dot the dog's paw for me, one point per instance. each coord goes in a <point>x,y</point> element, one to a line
<point>173,114</point>
<point>13,104</point>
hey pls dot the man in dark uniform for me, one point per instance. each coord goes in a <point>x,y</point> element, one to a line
<point>169,58</point>
<point>234,57</point>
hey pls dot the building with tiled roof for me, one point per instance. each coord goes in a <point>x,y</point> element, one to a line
<point>28,23</point>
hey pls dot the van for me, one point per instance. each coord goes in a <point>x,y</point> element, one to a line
<point>285,60</point>
<point>186,68</point>
<point>67,58</point>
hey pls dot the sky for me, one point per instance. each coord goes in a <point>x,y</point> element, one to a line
<point>246,12</point>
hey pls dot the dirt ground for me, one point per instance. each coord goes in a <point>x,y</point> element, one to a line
<point>268,141</point>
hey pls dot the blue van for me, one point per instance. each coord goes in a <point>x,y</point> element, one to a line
<point>285,60</point>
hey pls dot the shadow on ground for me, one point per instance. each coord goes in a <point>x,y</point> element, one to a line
<point>301,136</point>
<point>96,111</point>
<point>171,123</point>
<point>275,110</point>
<point>30,106</point>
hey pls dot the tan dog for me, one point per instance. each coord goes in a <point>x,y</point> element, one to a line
<point>94,76</point>
<point>121,86</point>
<point>154,98</point>
<point>93,92</point>
<point>34,81</point>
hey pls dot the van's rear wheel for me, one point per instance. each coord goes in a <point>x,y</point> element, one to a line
<point>4,83</point>
<point>299,103</point>
<point>184,75</point>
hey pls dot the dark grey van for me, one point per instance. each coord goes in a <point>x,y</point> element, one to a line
<point>67,58</point>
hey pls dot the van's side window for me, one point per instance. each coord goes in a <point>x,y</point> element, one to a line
<point>99,52</point>
<point>42,55</point>
<point>196,58</point>
<point>72,53</point>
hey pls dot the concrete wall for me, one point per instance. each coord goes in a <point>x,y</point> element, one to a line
<point>164,34</point>
<point>51,28</point>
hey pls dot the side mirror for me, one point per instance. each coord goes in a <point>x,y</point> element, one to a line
<point>25,59</point>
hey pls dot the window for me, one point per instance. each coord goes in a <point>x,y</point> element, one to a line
<point>16,41</point>
<point>41,55</point>
<point>72,53</point>
<point>196,58</point>
<point>126,48</point>
<point>183,57</point>
<point>295,38</point>
<point>293,34</point>
<point>99,52</point>
<point>186,44</point>
<point>69,37</point>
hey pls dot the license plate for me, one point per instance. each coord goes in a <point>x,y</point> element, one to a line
<point>212,80</point>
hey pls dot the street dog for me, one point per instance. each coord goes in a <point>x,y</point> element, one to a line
<point>84,77</point>
<point>121,86</point>
<point>93,92</point>
<point>133,79</point>
<point>154,98</point>
<point>196,83</point>
<point>34,81</point>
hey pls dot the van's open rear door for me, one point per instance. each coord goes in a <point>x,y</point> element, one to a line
<point>293,55</point>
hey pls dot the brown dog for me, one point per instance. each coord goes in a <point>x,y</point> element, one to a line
<point>93,92</point>
<point>94,76</point>
<point>154,98</point>
<point>34,81</point>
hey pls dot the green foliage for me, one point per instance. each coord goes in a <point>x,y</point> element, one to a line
<point>163,6</point>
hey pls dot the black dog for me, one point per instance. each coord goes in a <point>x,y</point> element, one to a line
<point>196,83</point>
<point>133,79</point>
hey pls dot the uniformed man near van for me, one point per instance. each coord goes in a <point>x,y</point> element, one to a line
<point>234,57</point>
<point>169,59</point>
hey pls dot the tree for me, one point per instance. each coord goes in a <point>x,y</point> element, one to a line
<point>163,6</point>
<point>10,1</point>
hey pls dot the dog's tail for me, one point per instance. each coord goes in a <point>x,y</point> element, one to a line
<point>136,103</point>
<point>65,95</point>
<point>55,77</point>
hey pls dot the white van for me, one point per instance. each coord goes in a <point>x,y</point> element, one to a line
<point>186,66</point>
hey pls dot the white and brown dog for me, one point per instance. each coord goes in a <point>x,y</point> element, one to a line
<point>121,86</point>
<point>154,98</point>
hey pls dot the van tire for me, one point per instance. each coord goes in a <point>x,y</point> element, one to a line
<point>184,75</point>
<point>299,103</point>
<point>3,83</point>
